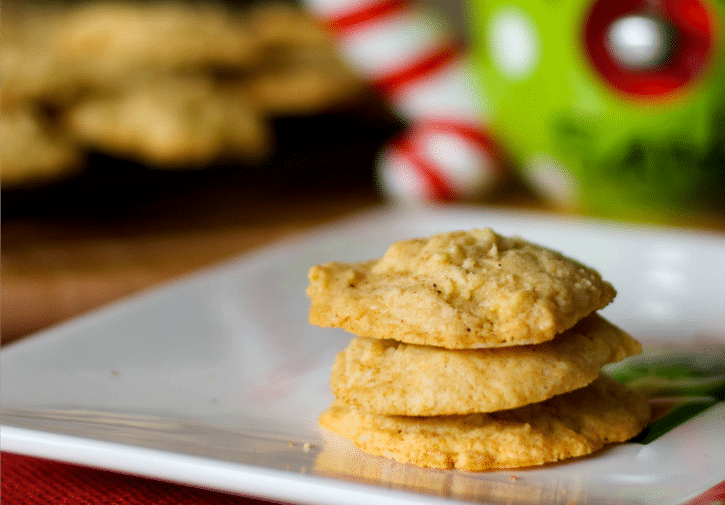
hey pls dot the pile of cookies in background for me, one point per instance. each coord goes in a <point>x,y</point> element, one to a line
<point>475,351</point>
<point>171,85</point>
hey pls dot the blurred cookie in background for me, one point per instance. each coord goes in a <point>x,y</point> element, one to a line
<point>33,150</point>
<point>172,122</point>
<point>169,85</point>
<point>298,70</point>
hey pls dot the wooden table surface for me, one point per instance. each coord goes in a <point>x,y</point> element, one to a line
<point>56,268</point>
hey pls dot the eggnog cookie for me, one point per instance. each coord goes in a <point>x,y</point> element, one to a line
<point>33,151</point>
<point>172,122</point>
<point>461,289</point>
<point>113,39</point>
<point>565,426</point>
<point>392,378</point>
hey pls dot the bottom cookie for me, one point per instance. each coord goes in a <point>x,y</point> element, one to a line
<point>565,426</point>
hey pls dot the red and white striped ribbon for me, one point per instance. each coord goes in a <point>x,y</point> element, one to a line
<point>418,64</point>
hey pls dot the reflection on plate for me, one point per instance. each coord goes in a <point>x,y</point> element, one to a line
<point>217,380</point>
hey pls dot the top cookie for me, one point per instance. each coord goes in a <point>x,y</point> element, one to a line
<point>458,290</point>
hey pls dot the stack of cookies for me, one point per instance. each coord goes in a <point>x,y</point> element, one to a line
<point>475,351</point>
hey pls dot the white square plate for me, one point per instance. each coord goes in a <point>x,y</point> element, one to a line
<point>217,380</point>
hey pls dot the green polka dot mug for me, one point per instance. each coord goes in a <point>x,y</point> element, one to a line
<point>614,107</point>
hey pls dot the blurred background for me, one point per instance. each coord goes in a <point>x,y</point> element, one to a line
<point>141,141</point>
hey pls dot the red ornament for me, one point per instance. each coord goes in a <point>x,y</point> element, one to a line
<point>689,56</point>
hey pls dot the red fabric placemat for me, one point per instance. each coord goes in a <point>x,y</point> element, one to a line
<point>34,481</point>
<point>713,496</point>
